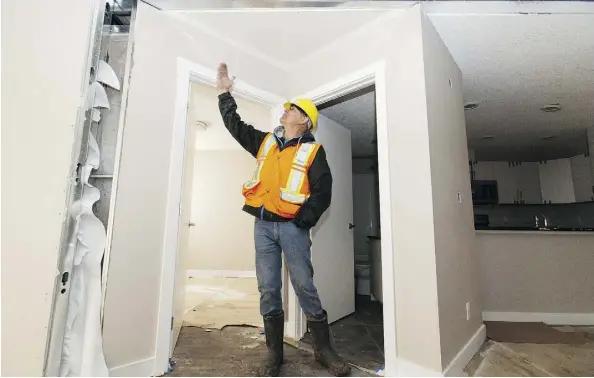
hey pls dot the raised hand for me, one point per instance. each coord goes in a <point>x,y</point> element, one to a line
<point>224,84</point>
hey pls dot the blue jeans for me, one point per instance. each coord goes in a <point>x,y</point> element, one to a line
<point>271,238</point>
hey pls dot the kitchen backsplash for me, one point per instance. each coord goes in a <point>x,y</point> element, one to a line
<point>571,215</point>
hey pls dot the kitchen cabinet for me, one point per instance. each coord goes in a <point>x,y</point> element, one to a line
<point>583,182</point>
<point>495,170</point>
<point>556,181</point>
<point>527,182</point>
<point>516,183</point>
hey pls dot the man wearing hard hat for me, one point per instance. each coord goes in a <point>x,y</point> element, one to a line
<point>288,193</point>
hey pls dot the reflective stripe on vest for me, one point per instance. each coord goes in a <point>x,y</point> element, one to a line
<point>292,192</point>
<point>266,147</point>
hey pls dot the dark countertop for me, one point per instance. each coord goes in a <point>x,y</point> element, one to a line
<point>519,229</point>
<point>534,204</point>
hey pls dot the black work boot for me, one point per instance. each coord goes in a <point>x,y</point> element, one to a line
<point>324,354</point>
<point>274,327</point>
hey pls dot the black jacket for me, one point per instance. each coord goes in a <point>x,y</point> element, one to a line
<point>320,178</point>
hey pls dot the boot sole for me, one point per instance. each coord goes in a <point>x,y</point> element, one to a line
<point>336,373</point>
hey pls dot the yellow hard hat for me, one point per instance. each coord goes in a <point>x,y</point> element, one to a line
<point>308,107</point>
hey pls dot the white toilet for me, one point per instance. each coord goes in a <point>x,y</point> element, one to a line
<point>363,275</point>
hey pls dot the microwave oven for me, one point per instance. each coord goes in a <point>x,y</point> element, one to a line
<point>484,192</point>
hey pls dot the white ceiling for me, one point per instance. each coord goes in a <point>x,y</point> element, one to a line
<point>358,115</point>
<point>202,5</point>
<point>512,64</point>
<point>284,40</point>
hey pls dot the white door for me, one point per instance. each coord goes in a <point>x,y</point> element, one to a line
<point>332,250</point>
<point>179,291</point>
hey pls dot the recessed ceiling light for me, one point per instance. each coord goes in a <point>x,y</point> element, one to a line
<point>548,137</point>
<point>551,108</point>
<point>488,137</point>
<point>471,105</point>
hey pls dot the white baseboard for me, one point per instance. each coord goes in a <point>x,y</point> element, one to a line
<point>574,319</point>
<point>406,368</point>
<point>222,273</point>
<point>142,368</point>
<point>457,365</point>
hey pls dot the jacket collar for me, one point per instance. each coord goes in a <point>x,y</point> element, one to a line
<point>279,134</point>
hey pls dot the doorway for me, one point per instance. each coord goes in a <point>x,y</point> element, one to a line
<point>372,75</point>
<point>221,286</point>
<point>358,336</point>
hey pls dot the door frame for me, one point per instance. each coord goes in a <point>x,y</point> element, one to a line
<point>372,74</point>
<point>187,72</point>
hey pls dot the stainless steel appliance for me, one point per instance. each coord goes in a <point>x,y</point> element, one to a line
<point>484,192</point>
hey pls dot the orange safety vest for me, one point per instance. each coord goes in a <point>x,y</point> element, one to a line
<point>280,181</point>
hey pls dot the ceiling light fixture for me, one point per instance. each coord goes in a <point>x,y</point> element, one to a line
<point>551,108</point>
<point>202,124</point>
<point>471,105</point>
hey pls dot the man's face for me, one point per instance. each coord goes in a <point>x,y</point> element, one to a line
<point>293,116</point>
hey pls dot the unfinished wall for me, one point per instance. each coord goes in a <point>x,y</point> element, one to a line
<point>546,272</point>
<point>43,69</point>
<point>223,238</point>
<point>455,256</point>
<point>139,219</point>
<point>107,131</point>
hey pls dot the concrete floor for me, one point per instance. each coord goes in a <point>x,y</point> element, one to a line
<point>216,302</point>
<point>236,352</point>
<point>222,333</point>
<point>359,337</point>
<point>213,344</point>
<point>506,359</point>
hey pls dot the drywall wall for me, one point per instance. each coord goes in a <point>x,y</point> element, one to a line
<point>548,272</point>
<point>205,108</point>
<point>397,38</point>
<point>43,69</point>
<point>223,238</point>
<point>455,257</point>
<point>129,328</point>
